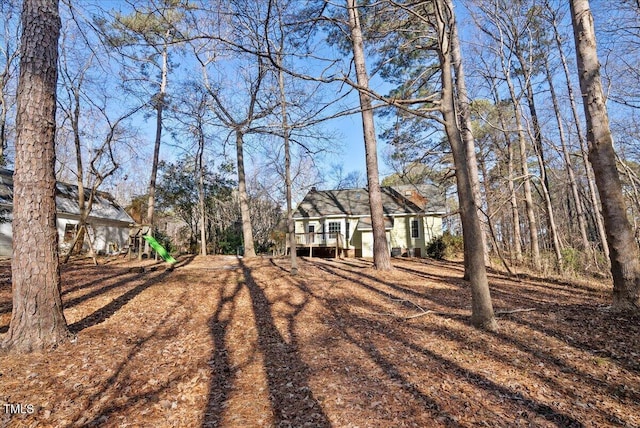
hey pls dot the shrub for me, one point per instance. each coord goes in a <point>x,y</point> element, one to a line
<point>445,246</point>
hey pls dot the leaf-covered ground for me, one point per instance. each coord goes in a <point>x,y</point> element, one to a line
<point>240,343</point>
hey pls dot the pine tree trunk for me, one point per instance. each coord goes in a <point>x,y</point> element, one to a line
<point>624,254</point>
<point>247,231</point>
<point>381,255</point>
<point>482,315</point>
<point>467,136</point>
<point>37,318</point>
<point>576,119</point>
<point>160,101</point>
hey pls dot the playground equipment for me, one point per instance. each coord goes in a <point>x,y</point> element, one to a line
<point>162,252</point>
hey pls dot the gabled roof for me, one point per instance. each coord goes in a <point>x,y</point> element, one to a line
<point>104,205</point>
<point>396,200</point>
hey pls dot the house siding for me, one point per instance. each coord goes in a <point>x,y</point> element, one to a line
<point>401,234</point>
<point>6,238</point>
<point>107,234</point>
<point>398,237</point>
<point>432,226</point>
<point>402,205</point>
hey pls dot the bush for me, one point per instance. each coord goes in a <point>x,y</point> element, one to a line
<point>445,246</point>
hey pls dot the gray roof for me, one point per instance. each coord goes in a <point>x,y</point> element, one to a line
<point>104,205</point>
<point>396,200</point>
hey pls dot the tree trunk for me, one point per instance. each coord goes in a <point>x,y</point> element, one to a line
<point>577,202</point>
<point>624,254</point>
<point>37,318</point>
<point>539,150</point>
<point>291,227</point>
<point>381,255</point>
<point>576,119</point>
<point>513,200</point>
<point>160,100</point>
<point>524,167</point>
<point>247,231</point>
<point>76,248</point>
<point>467,136</point>
<point>482,309</point>
<point>201,196</point>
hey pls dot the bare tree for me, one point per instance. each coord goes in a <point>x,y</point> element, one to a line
<point>381,255</point>
<point>37,318</point>
<point>8,60</point>
<point>624,254</point>
<point>593,198</point>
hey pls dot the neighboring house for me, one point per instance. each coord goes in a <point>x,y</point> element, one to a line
<point>108,222</point>
<point>341,219</point>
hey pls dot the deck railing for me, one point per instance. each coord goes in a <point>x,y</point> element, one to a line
<point>319,239</point>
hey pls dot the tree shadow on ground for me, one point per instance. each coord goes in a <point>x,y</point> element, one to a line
<point>98,275</point>
<point>116,304</point>
<point>291,397</point>
<point>223,374</point>
<point>400,293</point>
<point>97,410</point>
<point>361,331</point>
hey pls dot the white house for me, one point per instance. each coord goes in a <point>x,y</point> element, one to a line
<point>341,219</point>
<point>108,222</point>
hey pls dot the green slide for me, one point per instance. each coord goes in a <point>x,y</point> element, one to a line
<point>159,249</point>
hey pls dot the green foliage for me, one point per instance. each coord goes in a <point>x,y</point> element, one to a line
<point>445,246</point>
<point>573,259</point>
<point>177,196</point>
<point>178,189</point>
<point>229,240</point>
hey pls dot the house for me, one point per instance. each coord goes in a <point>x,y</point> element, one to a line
<point>340,220</point>
<point>108,222</point>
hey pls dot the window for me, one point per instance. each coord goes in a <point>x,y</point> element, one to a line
<point>334,229</point>
<point>415,229</point>
<point>312,233</point>
<point>70,231</point>
<point>346,235</point>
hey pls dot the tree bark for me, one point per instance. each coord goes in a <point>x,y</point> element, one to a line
<point>201,195</point>
<point>624,254</point>
<point>513,200</point>
<point>577,202</point>
<point>539,150</point>
<point>247,231</point>
<point>381,255</point>
<point>467,136</point>
<point>576,119</point>
<point>160,101</point>
<point>291,227</point>
<point>526,177</point>
<point>37,318</point>
<point>482,315</point>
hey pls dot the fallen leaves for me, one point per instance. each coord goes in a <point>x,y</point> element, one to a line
<point>225,342</point>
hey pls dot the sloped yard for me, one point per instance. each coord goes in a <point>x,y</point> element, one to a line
<point>239,343</point>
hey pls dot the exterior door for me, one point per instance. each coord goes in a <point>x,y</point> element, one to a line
<point>312,233</point>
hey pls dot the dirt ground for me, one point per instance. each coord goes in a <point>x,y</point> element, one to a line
<point>222,342</point>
